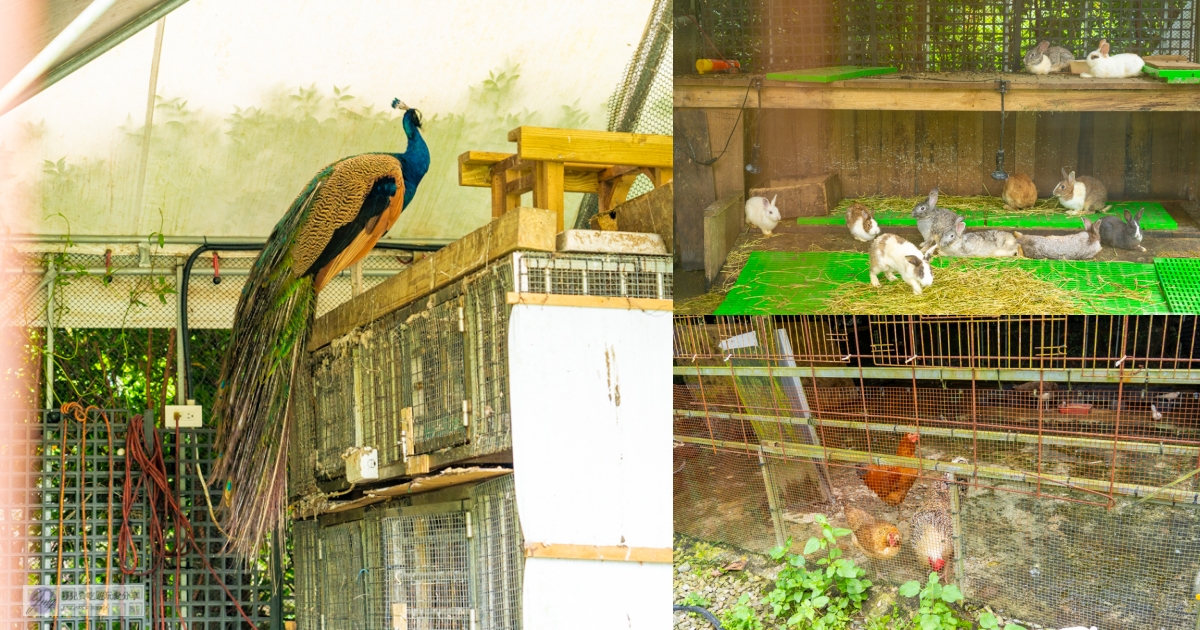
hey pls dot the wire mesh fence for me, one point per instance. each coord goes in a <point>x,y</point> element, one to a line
<point>917,35</point>
<point>1050,458</point>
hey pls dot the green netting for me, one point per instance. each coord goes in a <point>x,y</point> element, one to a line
<point>790,283</point>
<point>1156,217</point>
<point>1180,281</point>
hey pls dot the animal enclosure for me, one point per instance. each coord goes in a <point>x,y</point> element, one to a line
<point>1061,435</point>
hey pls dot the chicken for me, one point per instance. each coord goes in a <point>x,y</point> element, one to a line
<point>892,483</point>
<point>1155,413</point>
<point>877,539</point>
<point>932,532</point>
<point>1043,390</point>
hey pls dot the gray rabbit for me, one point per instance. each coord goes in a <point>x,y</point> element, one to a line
<point>1078,246</point>
<point>957,242</point>
<point>932,221</point>
<point>1044,58</point>
<point>1122,234</point>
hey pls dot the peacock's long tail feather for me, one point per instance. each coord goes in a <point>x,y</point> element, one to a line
<point>274,315</point>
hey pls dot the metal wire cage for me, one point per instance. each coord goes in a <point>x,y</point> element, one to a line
<point>918,35</point>
<point>1052,431</point>
<point>450,559</point>
<point>433,377</point>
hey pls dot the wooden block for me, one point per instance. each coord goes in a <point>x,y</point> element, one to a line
<point>803,197</point>
<point>521,229</point>
<point>417,465</point>
<point>611,242</point>
<point>598,552</point>
<point>592,147</point>
<point>591,301</point>
<point>548,189</point>
<point>651,213</point>
<point>723,222</point>
<point>1078,67</point>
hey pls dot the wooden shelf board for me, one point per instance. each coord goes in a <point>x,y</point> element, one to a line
<point>954,91</point>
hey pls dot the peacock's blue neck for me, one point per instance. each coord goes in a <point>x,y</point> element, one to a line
<point>414,163</point>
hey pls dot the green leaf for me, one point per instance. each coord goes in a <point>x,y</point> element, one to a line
<point>910,588</point>
<point>839,532</point>
<point>835,553</point>
<point>1013,626</point>
<point>951,594</point>
<point>777,552</point>
<point>847,571</point>
<point>987,620</point>
<point>820,518</point>
<point>820,601</point>
<point>812,545</point>
<point>931,623</point>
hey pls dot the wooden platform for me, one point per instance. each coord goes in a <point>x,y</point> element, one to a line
<point>949,91</point>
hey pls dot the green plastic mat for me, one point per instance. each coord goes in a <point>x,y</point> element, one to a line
<point>1174,75</point>
<point>829,75</point>
<point>776,283</point>
<point>1180,282</point>
<point>1156,217</point>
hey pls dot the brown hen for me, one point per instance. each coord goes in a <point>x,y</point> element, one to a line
<point>877,539</point>
<point>892,483</point>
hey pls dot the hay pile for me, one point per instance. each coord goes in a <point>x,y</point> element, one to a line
<point>971,287</point>
<point>991,205</point>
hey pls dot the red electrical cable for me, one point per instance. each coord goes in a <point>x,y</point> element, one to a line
<point>149,458</point>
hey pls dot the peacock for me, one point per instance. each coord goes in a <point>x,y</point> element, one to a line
<point>332,224</point>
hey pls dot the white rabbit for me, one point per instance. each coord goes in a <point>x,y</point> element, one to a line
<point>891,254</point>
<point>1102,66</point>
<point>762,214</point>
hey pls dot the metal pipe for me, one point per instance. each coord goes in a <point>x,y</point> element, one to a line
<point>48,348</point>
<point>46,58</point>
<point>149,128</point>
<point>423,244</point>
<point>180,364</point>
<point>167,271</point>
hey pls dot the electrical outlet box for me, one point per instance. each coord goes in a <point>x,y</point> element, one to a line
<point>361,463</point>
<point>189,416</point>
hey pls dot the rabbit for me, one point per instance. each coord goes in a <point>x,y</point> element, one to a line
<point>956,242</point>
<point>1102,66</point>
<point>1019,192</point>
<point>1044,58</point>
<point>891,254</point>
<point>932,221</point>
<point>762,214</point>
<point>1081,195</point>
<point>862,223</point>
<point>1078,246</point>
<point>1122,234</point>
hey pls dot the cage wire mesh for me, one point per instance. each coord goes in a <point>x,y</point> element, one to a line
<point>917,35</point>
<point>442,362</point>
<point>641,102</point>
<point>1052,428</point>
<point>448,560</point>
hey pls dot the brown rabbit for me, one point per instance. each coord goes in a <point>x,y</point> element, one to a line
<point>1019,192</point>
<point>1081,195</point>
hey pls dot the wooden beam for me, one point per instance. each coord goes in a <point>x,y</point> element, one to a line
<point>592,147</point>
<point>972,99</point>
<point>475,170</point>
<point>548,189</point>
<point>723,222</point>
<point>614,192</point>
<point>521,229</point>
<point>590,301</point>
<point>599,552</point>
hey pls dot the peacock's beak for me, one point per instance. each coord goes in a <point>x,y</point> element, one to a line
<point>398,104</point>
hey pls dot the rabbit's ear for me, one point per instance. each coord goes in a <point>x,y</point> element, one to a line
<point>959,226</point>
<point>929,252</point>
<point>1138,217</point>
<point>1064,171</point>
<point>1087,225</point>
<point>773,199</point>
<point>914,261</point>
<point>1071,178</point>
<point>1128,217</point>
<point>1104,48</point>
<point>933,195</point>
<point>1043,46</point>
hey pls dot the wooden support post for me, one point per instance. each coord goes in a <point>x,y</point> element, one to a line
<point>956,525</point>
<point>613,192</point>
<point>356,278</point>
<point>772,500</point>
<point>499,197</point>
<point>548,189</point>
<point>1023,161</point>
<point>663,176</point>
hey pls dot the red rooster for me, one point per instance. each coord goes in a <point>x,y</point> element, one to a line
<point>892,483</point>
